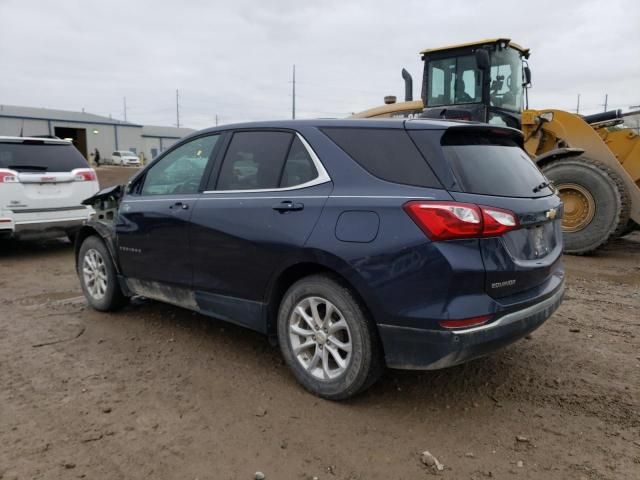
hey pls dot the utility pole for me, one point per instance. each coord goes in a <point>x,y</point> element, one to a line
<point>293,106</point>
<point>177,109</point>
<point>578,107</point>
<point>216,119</point>
<point>606,101</point>
<point>125,108</point>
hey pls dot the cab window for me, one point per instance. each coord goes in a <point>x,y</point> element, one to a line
<point>181,170</point>
<point>454,81</point>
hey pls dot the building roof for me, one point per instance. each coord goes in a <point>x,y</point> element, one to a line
<point>33,113</point>
<point>165,132</point>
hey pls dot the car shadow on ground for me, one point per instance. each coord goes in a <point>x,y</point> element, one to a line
<point>442,388</point>
<point>10,248</point>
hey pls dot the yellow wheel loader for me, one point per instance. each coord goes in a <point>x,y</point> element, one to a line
<point>592,161</point>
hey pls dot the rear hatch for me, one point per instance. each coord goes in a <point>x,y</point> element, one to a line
<point>486,166</point>
<point>43,176</point>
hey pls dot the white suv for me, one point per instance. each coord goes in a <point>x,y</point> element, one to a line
<point>42,184</point>
<point>124,157</point>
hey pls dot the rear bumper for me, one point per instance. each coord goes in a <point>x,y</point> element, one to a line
<point>50,224</point>
<point>420,349</point>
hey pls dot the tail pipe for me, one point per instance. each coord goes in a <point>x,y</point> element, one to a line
<point>603,117</point>
<point>408,85</point>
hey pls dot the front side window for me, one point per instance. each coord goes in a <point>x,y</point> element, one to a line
<point>454,81</point>
<point>181,170</point>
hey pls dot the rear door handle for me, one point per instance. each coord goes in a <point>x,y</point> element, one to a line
<point>288,206</point>
<point>183,206</point>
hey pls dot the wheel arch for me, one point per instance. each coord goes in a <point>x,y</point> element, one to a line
<point>103,232</point>
<point>294,272</point>
<point>557,154</point>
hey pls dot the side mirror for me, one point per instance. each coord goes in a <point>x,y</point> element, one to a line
<point>527,76</point>
<point>482,59</point>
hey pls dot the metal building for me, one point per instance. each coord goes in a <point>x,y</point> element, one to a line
<point>89,131</point>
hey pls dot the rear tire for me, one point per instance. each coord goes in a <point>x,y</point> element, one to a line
<point>98,276</point>
<point>596,203</point>
<point>343,356</point>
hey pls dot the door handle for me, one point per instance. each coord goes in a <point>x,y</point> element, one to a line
<point>183,206</point>
<point>288,206</point>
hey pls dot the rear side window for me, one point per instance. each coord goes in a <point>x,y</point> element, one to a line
<point>41,157</point>
<point>299,167</point>
<point>254,160</point>
<point>491,164</point>
<point>389,154</point>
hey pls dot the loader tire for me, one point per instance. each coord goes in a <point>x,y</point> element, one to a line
<point>596,203</point>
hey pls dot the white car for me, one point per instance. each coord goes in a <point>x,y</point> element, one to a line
<point>42,184</point>
<point>125,157</point>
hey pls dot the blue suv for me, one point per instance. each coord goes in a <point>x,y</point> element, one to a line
<point>354,244</point>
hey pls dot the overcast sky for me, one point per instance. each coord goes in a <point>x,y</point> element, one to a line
<point>234,58</point>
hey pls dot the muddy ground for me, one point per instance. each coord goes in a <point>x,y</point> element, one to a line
<point>159,392</point>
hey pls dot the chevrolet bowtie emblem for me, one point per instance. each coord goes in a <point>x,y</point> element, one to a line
<point>551,214</point>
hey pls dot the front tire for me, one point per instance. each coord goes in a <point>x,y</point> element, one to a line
<point>327,340</point>
<point>98,276</point>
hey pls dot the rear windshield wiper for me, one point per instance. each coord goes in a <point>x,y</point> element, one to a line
<point>541,186</point>
<point>37,168</point>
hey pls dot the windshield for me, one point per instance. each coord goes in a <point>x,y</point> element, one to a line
<point>505,87</point>
<point>454,81</point>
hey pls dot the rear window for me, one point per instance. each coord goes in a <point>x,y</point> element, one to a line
<point>389,154</point>
<point>486,163</point>
<point>40,157</point>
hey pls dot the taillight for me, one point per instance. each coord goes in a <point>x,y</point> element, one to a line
<point>84,175</point>
<point>497,221</point>
<point>465,322</point>
<point>455,220</point>
<point>8,176</point>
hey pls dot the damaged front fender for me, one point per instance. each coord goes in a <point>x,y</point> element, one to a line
<point>105,203</point>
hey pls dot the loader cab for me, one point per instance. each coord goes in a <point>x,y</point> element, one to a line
<point>484,81</point>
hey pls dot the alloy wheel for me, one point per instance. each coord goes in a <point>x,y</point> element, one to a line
<point>320,338</point>
<point>94,273</point>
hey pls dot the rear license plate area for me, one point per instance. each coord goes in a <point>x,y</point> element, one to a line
<point>538,240</point>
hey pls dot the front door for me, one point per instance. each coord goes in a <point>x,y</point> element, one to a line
<point>153,219</point>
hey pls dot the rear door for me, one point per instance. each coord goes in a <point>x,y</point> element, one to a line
<point>486,166</point>
<point>152,226</point>
<point>51,176</point>
<point>259,209</point>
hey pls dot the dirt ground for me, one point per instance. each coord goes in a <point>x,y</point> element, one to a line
<point>159,392</point>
